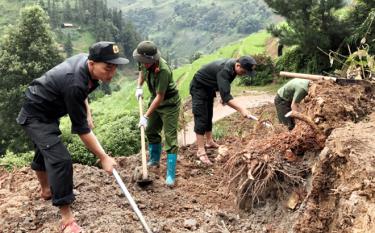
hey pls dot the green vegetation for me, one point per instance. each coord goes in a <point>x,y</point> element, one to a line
<point>13,160</point>
<point>92,20</point>
<point>314,29</point>
<point>9,12</point>
<point>27,50</point>
<point>103,23</point>
<point>311,25</point>
<point>207,24</point>
<point>361,21</point>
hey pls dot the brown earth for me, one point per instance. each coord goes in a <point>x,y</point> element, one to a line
<point>336,195</point>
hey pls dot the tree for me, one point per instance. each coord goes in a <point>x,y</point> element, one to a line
<point>27,50</point>
<point>68,46</point>
<point>310,25</point>
<point>362,24</point>
<point>68,15</point>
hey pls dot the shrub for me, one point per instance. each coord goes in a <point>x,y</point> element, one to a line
<point>292,61</point>
<point>12,160</point>
<point>265,72</point>
<point>122,136</point>
<point>295,61</point>
<point>118,135</point>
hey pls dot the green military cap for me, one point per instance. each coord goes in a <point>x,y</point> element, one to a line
<point>146,52</point>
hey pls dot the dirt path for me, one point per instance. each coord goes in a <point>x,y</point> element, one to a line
<point>252,100</point>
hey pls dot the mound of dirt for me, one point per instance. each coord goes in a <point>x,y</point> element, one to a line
<point>330,105</point>
<point>342,198</point>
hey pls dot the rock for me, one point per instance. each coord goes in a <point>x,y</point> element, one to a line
<point>223,152</point>
<point>324,153</point>
<point>191,224</point>
<point>194,172</point>
<point>290,156</point>
<point>293,200</point>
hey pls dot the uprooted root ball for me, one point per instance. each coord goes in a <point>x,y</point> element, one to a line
<point>271,165</point>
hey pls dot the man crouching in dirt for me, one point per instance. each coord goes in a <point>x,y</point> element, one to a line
<point>60,91</point>
<point>215,76</point>
<point>287,99</point>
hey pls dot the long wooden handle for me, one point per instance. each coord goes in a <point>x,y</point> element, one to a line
<point>143,143</point>
<point>307,76</point>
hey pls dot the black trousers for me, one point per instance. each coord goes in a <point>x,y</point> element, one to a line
<point>51,156</point>
<point>282,108</point>
<point>202,104</point>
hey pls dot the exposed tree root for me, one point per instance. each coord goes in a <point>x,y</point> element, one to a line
<point>270,165</point>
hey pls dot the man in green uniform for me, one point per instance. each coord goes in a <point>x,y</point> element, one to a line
<point>164,105</point>
<point>288,97</point>
<point>215,76</point>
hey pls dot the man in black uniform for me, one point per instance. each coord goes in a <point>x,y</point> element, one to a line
<point>64,90</point>
<point>215,76</point>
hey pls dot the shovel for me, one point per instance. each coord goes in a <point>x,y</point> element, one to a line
<point>144,181</point>
<point>265,123</point>
<point>131,201</point>
<point>313,77</point>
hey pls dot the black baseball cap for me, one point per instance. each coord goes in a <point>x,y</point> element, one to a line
<point>247,62</point>
<point>105,51</point>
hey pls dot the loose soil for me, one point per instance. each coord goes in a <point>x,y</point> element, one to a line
<point>337,194</point>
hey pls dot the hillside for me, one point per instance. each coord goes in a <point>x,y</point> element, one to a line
<point>184,28</point>
<point>336,195</point>
<point>88,21</point>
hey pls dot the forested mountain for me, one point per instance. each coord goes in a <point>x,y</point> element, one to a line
<point>94,17</point>
<point>184,28</point>
<point>103,22</point>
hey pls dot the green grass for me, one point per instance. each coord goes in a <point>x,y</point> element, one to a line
<point>82,44</point>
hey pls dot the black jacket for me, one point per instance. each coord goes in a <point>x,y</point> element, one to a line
<point>218,75</point>
<point>60,91</point>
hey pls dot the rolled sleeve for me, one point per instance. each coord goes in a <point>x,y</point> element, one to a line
<point>75,101</point>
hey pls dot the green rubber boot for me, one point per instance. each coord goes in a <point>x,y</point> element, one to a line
<point>155,151</point>
<point>171,169</point>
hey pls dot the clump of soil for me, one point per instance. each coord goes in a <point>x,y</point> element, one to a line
<point>341,196</point>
